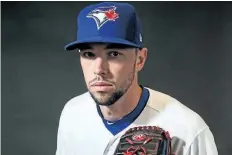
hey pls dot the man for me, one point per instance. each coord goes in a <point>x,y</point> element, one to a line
<point>111,55</point>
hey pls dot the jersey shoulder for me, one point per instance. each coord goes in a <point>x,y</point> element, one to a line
<point>164,103</point>
<point>175,116</point>
<point>78,104</point>
<point>80,99</point>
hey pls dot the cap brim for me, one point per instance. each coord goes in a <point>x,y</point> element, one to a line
<point>99,39</point>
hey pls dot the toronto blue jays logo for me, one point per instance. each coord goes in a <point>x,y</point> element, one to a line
<point>102,15</point>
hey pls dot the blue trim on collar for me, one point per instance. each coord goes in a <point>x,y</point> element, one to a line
<point>116,127</point>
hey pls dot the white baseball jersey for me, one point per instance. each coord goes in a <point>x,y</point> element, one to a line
<point>82,132</point>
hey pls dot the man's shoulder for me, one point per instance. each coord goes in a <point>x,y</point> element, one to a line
<point>162,102</point>
<point>79,98</point>
<point>185,125</point>
<point>78,102</point>
<point>173,112</point>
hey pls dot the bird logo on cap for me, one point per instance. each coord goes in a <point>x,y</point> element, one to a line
<point>102,15</point>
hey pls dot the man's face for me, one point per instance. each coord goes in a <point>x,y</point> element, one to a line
<point>109,71</point>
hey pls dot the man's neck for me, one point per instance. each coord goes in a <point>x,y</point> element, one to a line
<point>124,105</point>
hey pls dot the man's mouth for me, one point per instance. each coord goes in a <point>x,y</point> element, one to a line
<point>102,84</point>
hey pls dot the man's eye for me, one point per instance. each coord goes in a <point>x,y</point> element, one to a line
<point>88,54</point>
<point>114,54</point>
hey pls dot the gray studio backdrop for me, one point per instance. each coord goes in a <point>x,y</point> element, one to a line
<point>189,57</point>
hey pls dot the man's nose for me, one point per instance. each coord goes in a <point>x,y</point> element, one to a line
<point>101,66</point>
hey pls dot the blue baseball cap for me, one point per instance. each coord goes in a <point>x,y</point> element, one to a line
<point>108,22</point>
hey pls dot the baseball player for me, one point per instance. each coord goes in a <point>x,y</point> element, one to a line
<point>109,39</point>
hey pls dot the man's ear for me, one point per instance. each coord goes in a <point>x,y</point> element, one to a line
<point>141,58</point>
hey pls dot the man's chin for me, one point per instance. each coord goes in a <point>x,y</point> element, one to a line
<point>106,98</point>
<point>101,98</point>
<point>100,94</point>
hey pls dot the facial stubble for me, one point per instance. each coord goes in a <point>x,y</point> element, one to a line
<point>115,96</point>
